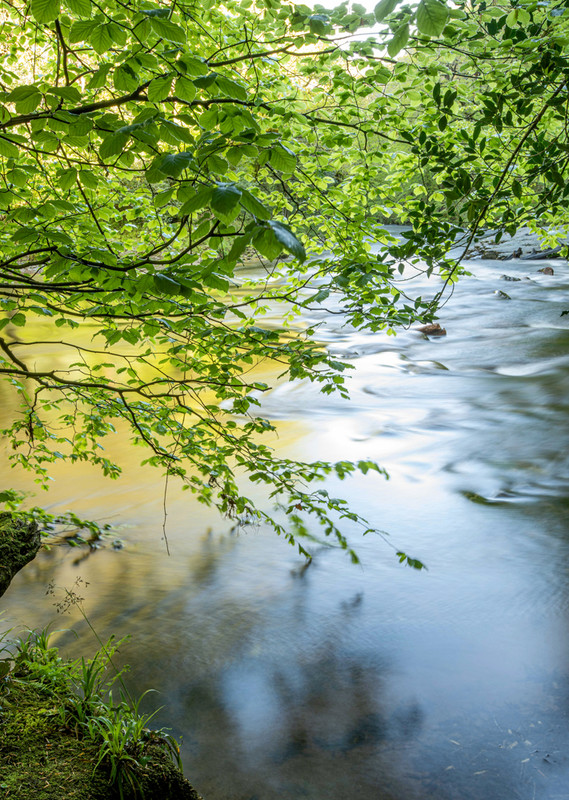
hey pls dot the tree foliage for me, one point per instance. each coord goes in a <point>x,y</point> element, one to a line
<point>148,151</point>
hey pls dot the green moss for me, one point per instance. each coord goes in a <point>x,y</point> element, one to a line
<point>39,757</point>
<point>19,543</point>
<point>46,753</point>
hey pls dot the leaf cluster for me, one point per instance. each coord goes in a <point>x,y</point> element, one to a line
<point>170,172</point>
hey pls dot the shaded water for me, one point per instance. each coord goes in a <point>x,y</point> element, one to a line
<point>373,682</point>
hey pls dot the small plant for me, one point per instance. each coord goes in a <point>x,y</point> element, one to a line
<point>91,684</point>
<point>80,696</point>
<point>5,663</point>
<point>122,736</point>
<point>38,663</point>
<point>115,748</point>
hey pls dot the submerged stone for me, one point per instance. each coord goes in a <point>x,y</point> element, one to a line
<point>434,329</point>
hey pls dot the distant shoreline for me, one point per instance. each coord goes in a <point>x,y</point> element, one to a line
<point>524,245</point>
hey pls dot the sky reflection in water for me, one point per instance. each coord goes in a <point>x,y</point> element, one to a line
<point>374,682</point>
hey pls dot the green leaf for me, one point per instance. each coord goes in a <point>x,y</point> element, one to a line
<point>163,13</point>
<point>88,179</point>
<point>384,8</point>
<point>9,495</point>
<point>161,198</point>
<point>174,134</point>
<point>118,34</point>
<point>26,98</point>
<point>166,29</point>
<point>45,10</point>
<point>7,198</point>
<point>25,235</point>
<point>216,282</point>
<point>77,141</point>
<point>66,178</point>
<point>267,243</point>
<point>231,88</point>
<point>319,297</point>
<point>101,37</point>
<point>166,285</point>
<point>286,237</point>
<point>80,32</point>
<point>399,40</point>
<point>113,145</point>
<point>193,66</point>
<point>382,75</point>
<point>225,197</point>
<point>524,16</point>
<point>512,19</point>
<point>159,88</point>
<point>82,8</point>
<point>185,89</point>
<point>217,164</point>
<point>17,177</point>
<point>8,149</point>
<point>58,237</point>
<point>140,131</point>
<point>70,93</point>
<point>319,24</point>
<point>173,164</point>
<point>283,159</point>
<point>199,200</point>
<point>253,206</point>
<point>239,246</point>
<point>234,155</point>
<point>432,16</point>
<point>125,78</point>
<point>205,81</point>
<point>99,77</point>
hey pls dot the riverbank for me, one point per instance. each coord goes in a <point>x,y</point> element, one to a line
<point>524,244</point>
<point>64,737</point>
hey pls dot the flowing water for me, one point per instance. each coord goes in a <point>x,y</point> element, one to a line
<point>372,681</point>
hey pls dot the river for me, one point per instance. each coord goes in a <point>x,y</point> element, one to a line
<point>375,682</point>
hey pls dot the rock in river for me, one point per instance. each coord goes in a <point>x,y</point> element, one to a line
<point>434,329</point>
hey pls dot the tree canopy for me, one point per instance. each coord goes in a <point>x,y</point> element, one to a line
<point>149,151</point>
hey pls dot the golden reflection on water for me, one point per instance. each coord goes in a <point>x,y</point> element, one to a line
<point>86,488</point>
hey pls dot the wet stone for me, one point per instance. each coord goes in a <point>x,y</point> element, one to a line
<point>432,330</point>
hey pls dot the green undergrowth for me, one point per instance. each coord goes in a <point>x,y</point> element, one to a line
<point>70,731</point>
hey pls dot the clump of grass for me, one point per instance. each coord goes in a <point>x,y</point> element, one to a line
<point>63,735</point>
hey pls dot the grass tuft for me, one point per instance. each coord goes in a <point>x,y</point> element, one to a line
<point>63,736</point>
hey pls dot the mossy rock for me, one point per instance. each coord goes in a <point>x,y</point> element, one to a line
<point>42,759</point>
<point>19,543</point>
<point>161,780</point>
